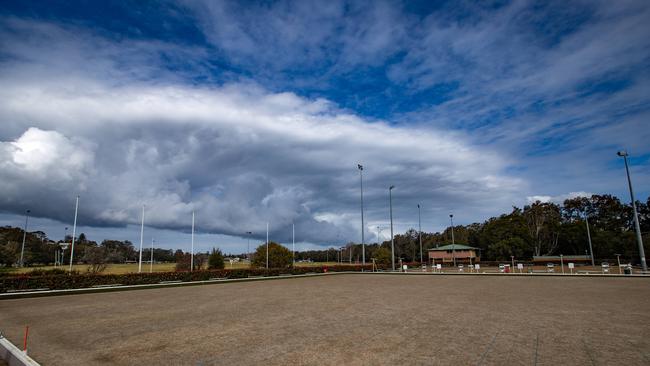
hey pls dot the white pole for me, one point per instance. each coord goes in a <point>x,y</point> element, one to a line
<point>74,232</point>
<point>267,245</point>
<point>293,245</point>
<point>363,241</point>
<point>22,250</point>
<point>151,260</point>
<point>192,254</point>
<point>141,241</point>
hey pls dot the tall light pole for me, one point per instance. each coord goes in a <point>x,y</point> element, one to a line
<point>293,245</point>
<point>453,242</point>
<point>141,241</point>
<point>420,231</point>
<point>22,250</point>
<point>74,232</point>
<point>639,240</point>
<point>63,246</point>
<point>192,248</point>
<point>591,250</point>
<point>248,243</point>
<point>392,239</point>
<point>151,260</point>
<point>267,245</point>
<point>363,242</point>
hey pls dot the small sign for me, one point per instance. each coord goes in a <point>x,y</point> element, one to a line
<point>438,266</point>
<point>520,266</point>
<point>571,265</point>
<point>477,266</point>
<point>405,267</point>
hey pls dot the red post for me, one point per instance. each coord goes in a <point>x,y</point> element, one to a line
<point>25,340</point>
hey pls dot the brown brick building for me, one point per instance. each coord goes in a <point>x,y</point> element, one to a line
<point>446,254</point>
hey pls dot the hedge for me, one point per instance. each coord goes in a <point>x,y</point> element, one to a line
<point>76,280</point>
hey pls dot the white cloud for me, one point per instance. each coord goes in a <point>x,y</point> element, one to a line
<point>559,199</point>
<point>238,157</point>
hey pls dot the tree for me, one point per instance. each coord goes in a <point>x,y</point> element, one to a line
<point>279,256</point>
<point>503,249</point>
<point>96,258</point>
<point>543,220</point>
<point>215,261</point>
<point>382,256</point>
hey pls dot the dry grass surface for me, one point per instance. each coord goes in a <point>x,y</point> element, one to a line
<point>346,319</point>
<point>157,267</point>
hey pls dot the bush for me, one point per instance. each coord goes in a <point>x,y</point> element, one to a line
<point>215,261</point>
<point>279,256</point>
<point>55,280</point>
<point>382,256</point>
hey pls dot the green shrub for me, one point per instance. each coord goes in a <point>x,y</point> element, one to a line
<point>215,261</point>
<point>55,280</point>
<point>279,256</point>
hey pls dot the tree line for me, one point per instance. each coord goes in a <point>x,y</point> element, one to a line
<point>540,228</point>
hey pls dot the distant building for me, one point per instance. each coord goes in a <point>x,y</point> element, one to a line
<point>446,254</point>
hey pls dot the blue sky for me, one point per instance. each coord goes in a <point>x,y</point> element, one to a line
<point>248,112</point>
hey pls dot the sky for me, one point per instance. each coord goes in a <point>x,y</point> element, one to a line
<point>248,113</point>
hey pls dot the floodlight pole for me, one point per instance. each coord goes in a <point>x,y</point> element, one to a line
<point>591,250</point>
<point>639,240</point>
<point>22,250</point>
<point>363,243</point>
<point>267,245</point>
<point>141,241</point>
<point>151,260</point>
<point>453,242</point>
<point>293,244</point>
<point>248,243</point>
<point>62,254</point>
<point>74,232</point>
<point>420,232</point>
<point>392,238</point>
<point>192,248</point>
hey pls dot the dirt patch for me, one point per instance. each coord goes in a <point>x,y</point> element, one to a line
<point>346,319</point>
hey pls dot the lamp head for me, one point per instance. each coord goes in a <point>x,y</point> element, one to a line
<point>622,153</point>
<point>360,166</point>
<point>391,187</point>
<point>451,215</point>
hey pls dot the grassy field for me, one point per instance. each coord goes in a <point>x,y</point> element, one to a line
<point>157,267</point>
<point>346,319</point>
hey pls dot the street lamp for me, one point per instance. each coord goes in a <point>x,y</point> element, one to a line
<point>420,231</point>
<point>363,243</point>
<point>453,243</point>
<point>22,250</point>
<point>639,240</point>
<point>618,260</point>
<point>392,239</point>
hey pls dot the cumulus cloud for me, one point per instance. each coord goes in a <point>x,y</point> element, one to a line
<point>559,199</point>
<point>238,156</point>
<point>486,105</point>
